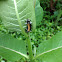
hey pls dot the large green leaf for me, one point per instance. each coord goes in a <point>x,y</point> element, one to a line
<point>38,13</point>
<point>11,48</point>
<point>14,14</point>
<point>51,50</point>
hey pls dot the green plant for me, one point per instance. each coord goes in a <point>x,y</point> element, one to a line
<point>13,49</point>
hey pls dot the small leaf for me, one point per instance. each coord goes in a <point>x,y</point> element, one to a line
<point>51,50</point>
<point>38,13</point>
<point>11,48</point>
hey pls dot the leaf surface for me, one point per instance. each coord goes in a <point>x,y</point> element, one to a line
<point>11,48</point>
<point>51,50</point>
<point>38,13</point>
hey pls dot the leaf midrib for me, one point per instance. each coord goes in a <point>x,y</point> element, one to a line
<point>15,51</point>
<point>47,52</point>
<point>17,14</point>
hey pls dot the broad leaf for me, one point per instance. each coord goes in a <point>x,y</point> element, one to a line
<point>51,50</point>
<point>14,14</point>
<point>38,13</point>
<point>11,48</point>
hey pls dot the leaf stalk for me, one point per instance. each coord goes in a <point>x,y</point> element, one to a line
<point>30,49</point>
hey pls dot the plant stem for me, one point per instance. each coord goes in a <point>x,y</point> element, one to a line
<point>30,49</point>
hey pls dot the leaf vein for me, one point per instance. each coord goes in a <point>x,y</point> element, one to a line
<point>25,15</point>
<point>15,51</point>
<point>9,18</point>
<point>48,51</point>
<point>18,1</point>
<point>9,23</point>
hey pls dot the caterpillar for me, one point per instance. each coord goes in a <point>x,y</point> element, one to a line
<point>28,25</point>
